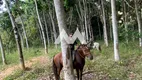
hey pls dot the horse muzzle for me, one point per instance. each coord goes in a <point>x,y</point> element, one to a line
<point>90,57</point>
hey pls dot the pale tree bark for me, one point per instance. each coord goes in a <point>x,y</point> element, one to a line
<point>82,10</point>
<point>39,20</point>
<point>2,52</point>
<point>24,31</point>
<point>23,27</point>
<point>89,22</point>
<point>80,14</point>
<point>104,26</point>
<point>139,22</point>
<point>53,26</point>
<point>17,38</point>
<point>115,32</point>
<point>85,18</point>
<point>67,63</point>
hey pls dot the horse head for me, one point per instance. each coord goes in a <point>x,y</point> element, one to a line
<point>85,51</point>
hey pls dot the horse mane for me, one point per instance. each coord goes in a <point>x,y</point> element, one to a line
<point>78,47</point>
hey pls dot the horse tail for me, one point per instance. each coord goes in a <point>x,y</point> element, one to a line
<point>55,70</point>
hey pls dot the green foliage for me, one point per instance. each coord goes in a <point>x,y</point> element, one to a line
<point>33,74</point>
<point>52,51</point>
<point>13,57</point>
<point>131,32</point>
<point>68,4</point>
<point>104,66</point>
<point>38,69</point>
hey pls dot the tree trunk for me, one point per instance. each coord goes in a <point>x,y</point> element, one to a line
<point>53,25</point>
<point>85,19</point>
<point>40,33</point>
<point>43,35</point>
<point>2,52</point>
<point>17,38</point>
<point>67,63</point>
<point>21,38</point>
<point>104,19</point>
<point>24,31</point>
<point>139,22</point>
<point>115,32</point>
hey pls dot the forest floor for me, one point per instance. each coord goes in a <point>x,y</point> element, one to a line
<point>102,67</point>
<point>8,71</point>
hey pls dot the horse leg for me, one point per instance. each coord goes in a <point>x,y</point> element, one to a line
<point>77,71</point>
<point>81,74</point>
<point>55,70</point>
<point>59,70</point>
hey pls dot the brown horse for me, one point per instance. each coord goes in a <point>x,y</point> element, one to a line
<point>80,53</point>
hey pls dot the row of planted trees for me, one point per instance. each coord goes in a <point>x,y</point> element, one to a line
<point>32,19</point>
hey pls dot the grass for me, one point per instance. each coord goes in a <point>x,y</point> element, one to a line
<point>13,57</point>
<point>37,71</point>
<point>103,64</point>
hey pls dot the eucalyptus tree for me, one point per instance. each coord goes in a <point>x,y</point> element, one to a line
<point>115,32</point>
<point>138,14</point>
<point>17,38</point>
<point>2,51</point>
<point>24,31</point>
<point>104,21</point>
<point>52,18</point>
<point>19,13</point>
<point>67,63</point>
<point>41,26</point>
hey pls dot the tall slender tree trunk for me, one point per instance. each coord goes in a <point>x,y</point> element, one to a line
<point>43,34</point>
<point>115,32</point>
<point>139,22</point>
<point>104,20</point>
<point>53,25</point>
<point>2,52</point>
<point>17,38</point>
<point>67,63</point>
<point>85,19</point>
<point>24,31</point>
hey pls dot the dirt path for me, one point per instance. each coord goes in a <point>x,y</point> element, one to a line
<point>28,64</point>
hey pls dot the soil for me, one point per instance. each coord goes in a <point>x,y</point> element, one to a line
<point>28,65</point>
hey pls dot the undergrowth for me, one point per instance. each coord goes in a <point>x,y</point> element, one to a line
<point>103,65</point>
<point>13,57</point>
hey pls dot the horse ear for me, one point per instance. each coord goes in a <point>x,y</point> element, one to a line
<point>89,43</point>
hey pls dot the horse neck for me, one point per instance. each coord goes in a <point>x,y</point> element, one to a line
<point>80,53</point>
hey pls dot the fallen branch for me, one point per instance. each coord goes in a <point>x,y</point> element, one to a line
<point>87,72</point>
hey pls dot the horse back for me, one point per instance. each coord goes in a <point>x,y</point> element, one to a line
<point>58,59</point>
